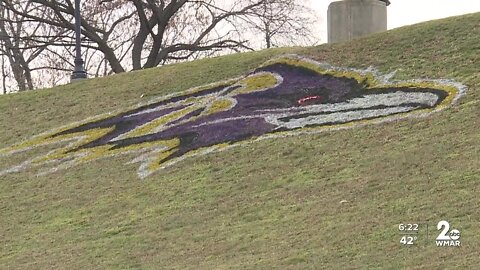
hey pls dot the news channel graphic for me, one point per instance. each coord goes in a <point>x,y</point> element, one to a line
<point>441,235</point>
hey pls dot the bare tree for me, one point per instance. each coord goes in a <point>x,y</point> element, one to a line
<point>24,41</point>
<point>283,23</point>
<point>11,49</point>
<point>120,35</point>
<point>163,30</point>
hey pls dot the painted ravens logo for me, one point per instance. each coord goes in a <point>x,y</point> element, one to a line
<point>285,96</point>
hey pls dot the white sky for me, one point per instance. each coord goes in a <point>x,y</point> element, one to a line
<point>405,12</point>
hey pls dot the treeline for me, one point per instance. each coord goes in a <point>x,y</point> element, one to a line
<point>37,36</point>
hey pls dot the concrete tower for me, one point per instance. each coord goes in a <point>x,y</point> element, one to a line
<point>349,19</point>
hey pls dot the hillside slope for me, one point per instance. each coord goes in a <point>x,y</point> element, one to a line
<point>328,200</point>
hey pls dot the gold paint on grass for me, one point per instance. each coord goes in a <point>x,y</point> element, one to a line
<point>48,138</point>
<point>88,136</point>
<point>157,163</point>
<point>152,126</point>
<point>220,105</point>
<point>106,151</point>
<point>262,81</point>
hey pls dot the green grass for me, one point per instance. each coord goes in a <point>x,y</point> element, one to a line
<point>270,204</point>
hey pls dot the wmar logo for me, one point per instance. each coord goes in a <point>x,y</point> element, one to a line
<point>447,237</point>
<point>286,96</point>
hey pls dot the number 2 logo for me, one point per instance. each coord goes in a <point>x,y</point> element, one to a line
<point>446,234</point>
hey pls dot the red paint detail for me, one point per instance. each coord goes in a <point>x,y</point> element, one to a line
<point>310,98</point>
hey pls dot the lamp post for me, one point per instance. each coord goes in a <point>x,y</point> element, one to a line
<point>79,71</point>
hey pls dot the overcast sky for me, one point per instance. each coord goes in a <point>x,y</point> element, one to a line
<point>405,12</point>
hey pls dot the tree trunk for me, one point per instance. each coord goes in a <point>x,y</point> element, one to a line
<point>268,37</point>
<point>4,76</point>
<point>268,40</point>
<point>137,48</point>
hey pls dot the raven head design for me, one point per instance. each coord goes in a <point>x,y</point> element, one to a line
<point>285,96</point>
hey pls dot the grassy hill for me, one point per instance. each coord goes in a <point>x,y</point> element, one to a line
<point>332,200</point>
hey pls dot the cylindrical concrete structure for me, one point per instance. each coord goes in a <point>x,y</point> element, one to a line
<point>349,19</point>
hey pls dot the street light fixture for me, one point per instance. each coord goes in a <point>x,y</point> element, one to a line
<point>79,71</point>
